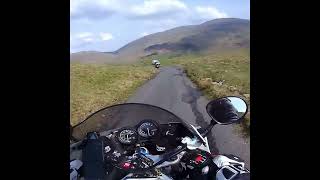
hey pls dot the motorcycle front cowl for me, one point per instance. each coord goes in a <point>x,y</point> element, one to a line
<point>126,115</point>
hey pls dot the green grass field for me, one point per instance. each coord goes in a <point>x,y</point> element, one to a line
<point>96,86</point>
<point>206,71</point>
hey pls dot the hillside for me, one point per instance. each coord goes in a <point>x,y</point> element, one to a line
<point>211,36</point>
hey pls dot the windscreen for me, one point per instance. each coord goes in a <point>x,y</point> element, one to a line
<point>123,115</point>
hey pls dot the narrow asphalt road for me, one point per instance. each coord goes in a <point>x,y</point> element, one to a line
<point>172,90</point>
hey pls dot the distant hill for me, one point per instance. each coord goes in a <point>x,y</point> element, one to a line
<point>215,35</point>
<point>92,57</point>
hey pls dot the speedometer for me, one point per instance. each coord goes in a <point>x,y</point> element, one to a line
<point>148,128</point>
<point>127,136</point>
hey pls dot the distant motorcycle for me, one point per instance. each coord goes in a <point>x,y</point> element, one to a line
<point>155,61</point>
<point>157,65</point>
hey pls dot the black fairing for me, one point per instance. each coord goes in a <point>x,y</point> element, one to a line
<point>123,115</point>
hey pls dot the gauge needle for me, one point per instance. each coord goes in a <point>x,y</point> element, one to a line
<point>148,132</point>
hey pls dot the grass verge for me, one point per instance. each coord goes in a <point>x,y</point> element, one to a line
<point>217,75</point>
<point>96,86</point>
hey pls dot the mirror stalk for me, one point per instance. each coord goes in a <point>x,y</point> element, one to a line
<point>207,130</point>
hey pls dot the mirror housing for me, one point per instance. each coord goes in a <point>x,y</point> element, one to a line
<point>227,110</point>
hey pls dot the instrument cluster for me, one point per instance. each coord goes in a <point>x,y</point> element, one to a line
<point>146,129</point>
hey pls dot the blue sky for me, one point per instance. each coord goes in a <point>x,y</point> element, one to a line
<point>107,25</point>
<point>238,104</point>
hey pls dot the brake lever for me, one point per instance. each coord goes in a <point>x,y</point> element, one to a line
<point>166,157</point>
<point>169,155</point>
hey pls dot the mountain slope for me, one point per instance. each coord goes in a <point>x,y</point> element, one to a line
<point>215,35</point>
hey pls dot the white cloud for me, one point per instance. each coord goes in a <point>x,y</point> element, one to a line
<point>145,17</point>
<point>152,8</point>
<point>159,10</point>
<point>144,34</point>
<point>92,9</point>
<point>88,39</point>
<point>83,39</point>
<point>83,35</point>
<point>167,14</point>
<point>209,12</point>
<point>106,36</point>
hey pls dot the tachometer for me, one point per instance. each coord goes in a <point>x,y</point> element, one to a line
<point>148,128</point>
<point>127,136</point>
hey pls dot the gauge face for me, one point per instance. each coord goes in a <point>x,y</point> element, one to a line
<point>148,129</point>
<point>127,136</point>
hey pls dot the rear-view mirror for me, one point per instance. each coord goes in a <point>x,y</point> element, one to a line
<point>227,110</point>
